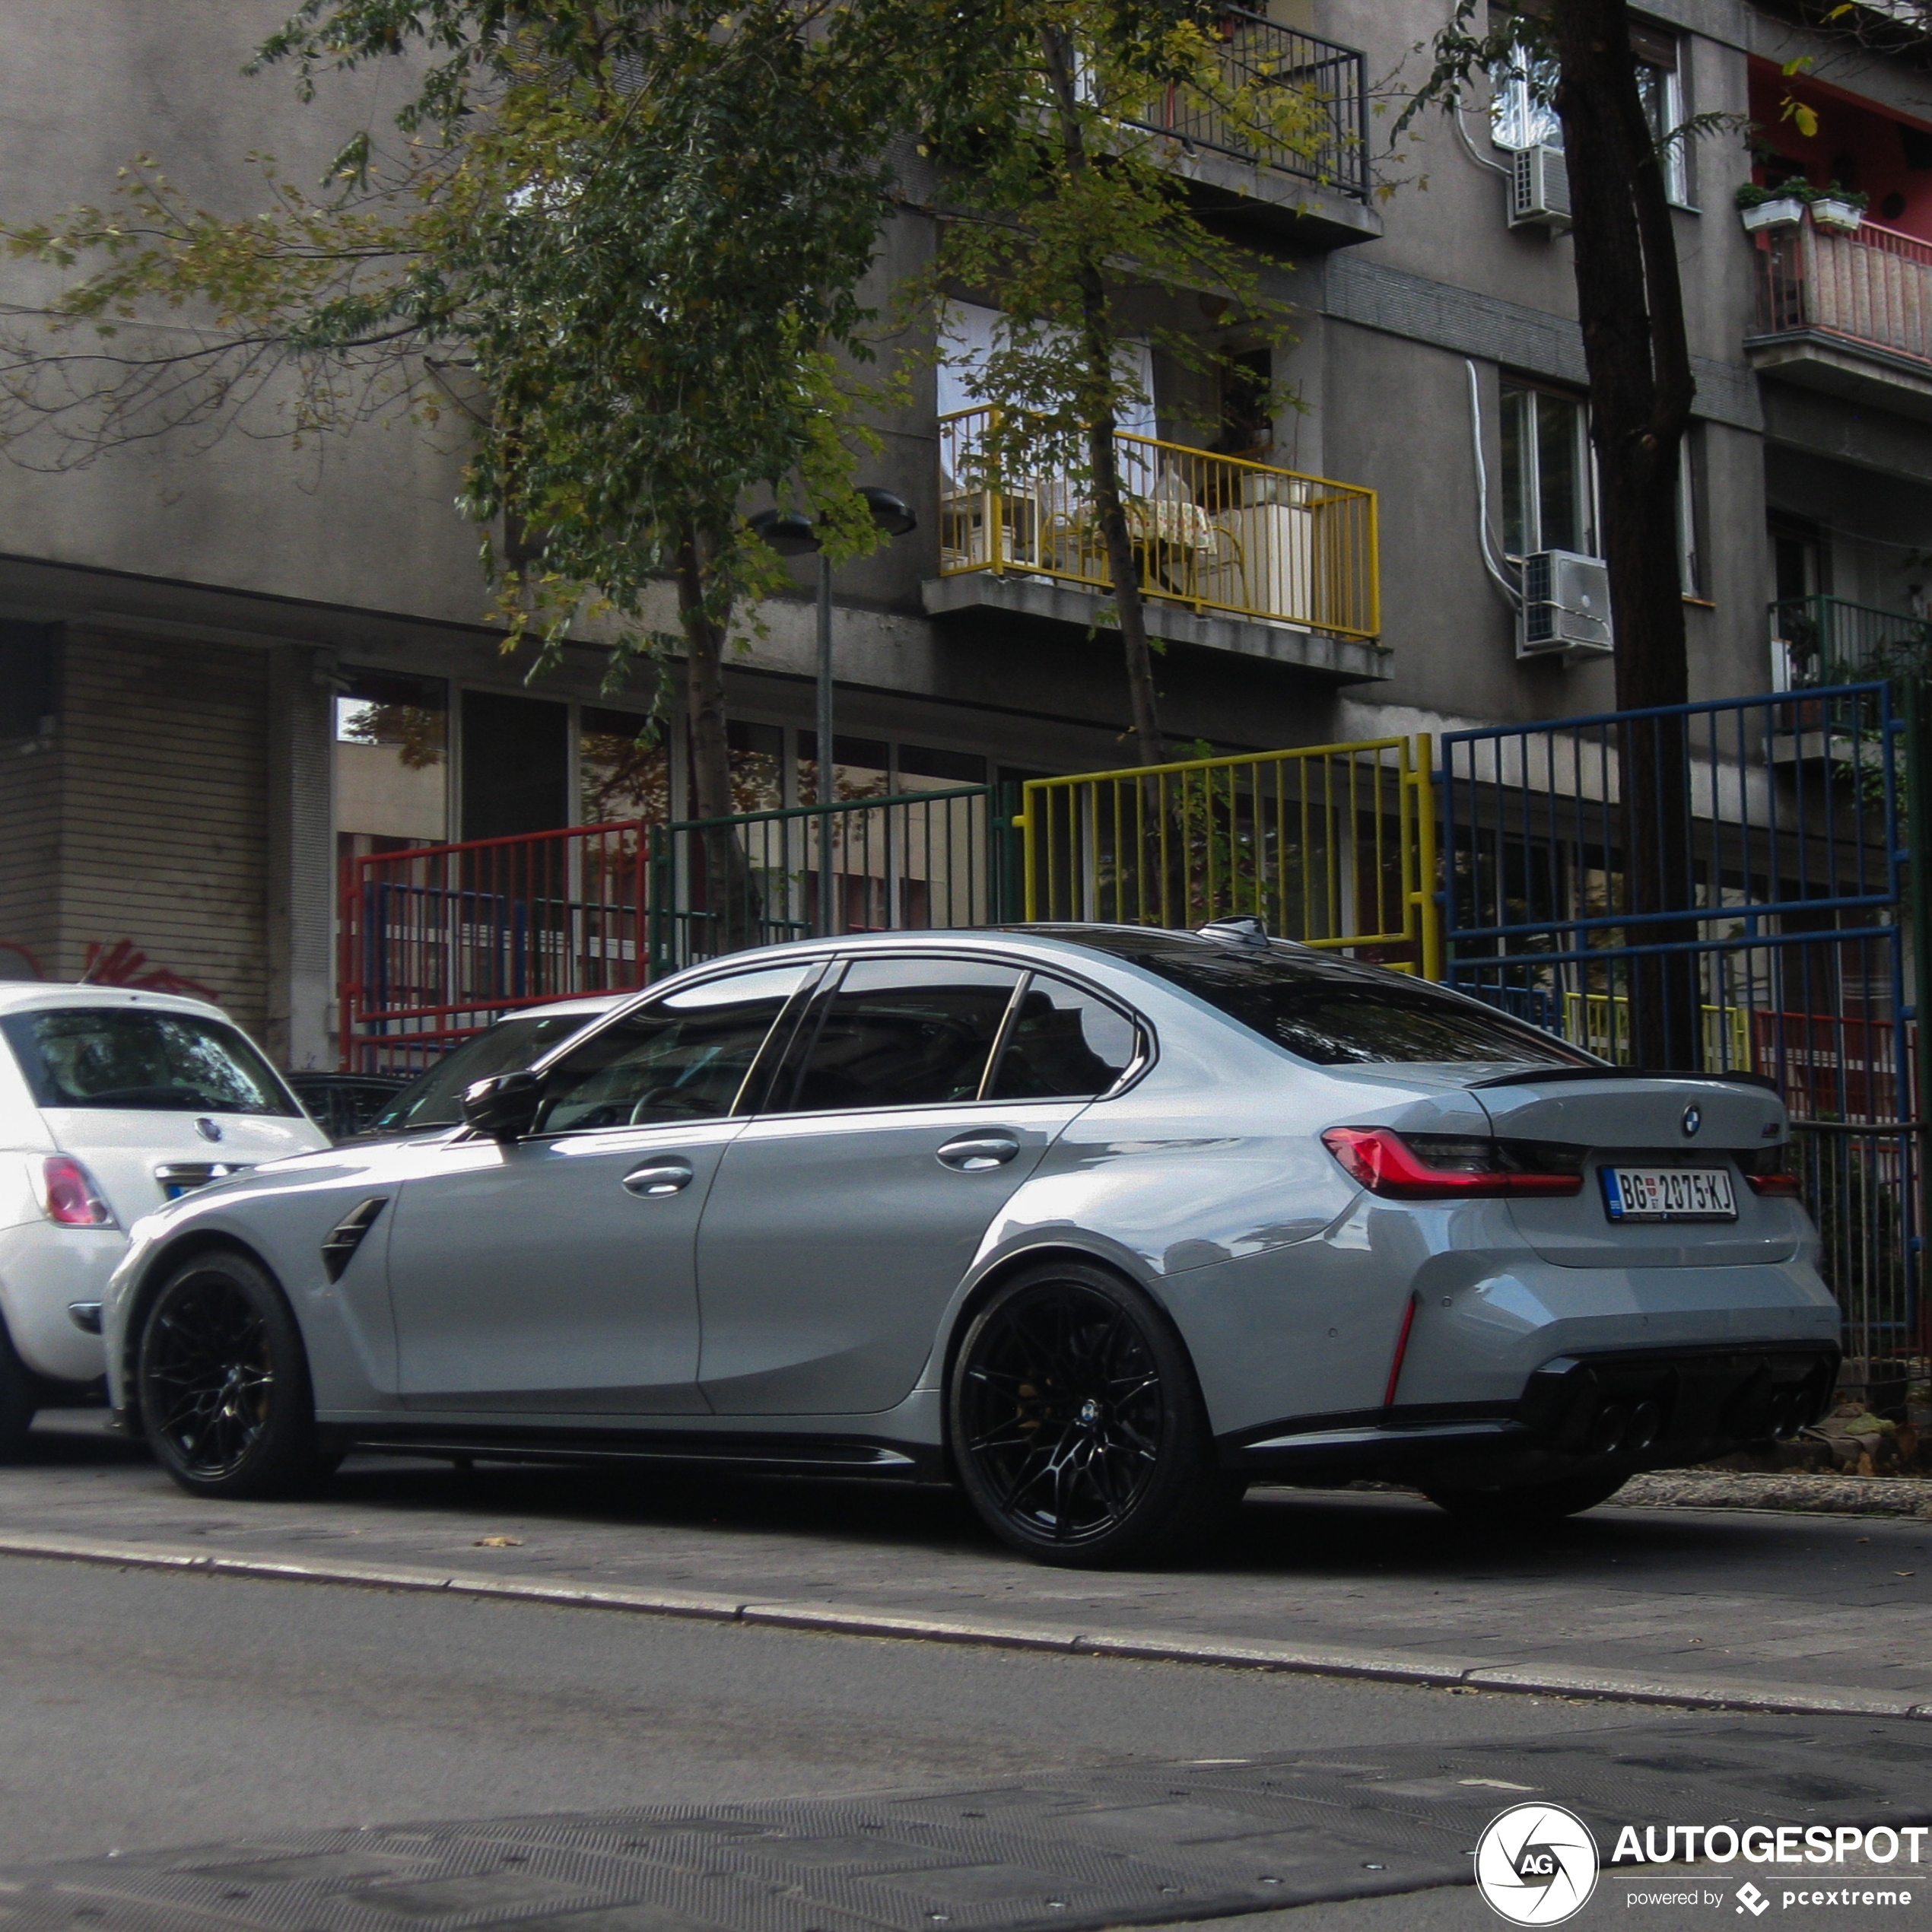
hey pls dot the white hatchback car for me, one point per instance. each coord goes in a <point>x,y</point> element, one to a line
<point>112,1101</point>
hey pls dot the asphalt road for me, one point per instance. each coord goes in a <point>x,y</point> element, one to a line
<point>140,1711</point>
<point>143,1711</point>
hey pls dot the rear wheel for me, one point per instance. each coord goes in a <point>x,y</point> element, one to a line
<point>1529,1503</point>
<point>224,1383</point>
<point>1077,1429</point>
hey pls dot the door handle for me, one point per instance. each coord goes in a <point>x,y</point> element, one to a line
<point>978,1153</point>
<point>659,1177</point>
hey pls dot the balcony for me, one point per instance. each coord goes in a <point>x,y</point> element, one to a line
<point>1232,554</point>
<point>1316,192</point>
<point>1820,642</point>
<point>1848,314</point>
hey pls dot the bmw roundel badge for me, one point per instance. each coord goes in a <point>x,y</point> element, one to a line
<point>1693,1120</point>
<point>212,1130</point>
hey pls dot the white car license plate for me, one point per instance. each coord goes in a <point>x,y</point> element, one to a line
<point>1668,1194</point>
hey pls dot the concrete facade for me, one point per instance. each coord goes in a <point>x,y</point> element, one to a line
<point>212,603</point>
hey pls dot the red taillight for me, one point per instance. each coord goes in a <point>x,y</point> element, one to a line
<point>1446,1167</point>
<point>71,1197</point>
<point>1765,1172</point>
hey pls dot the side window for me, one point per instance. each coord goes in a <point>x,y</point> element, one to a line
<point>902,1033</point>
<point>1063,1044</point>
<point>681,1058</point>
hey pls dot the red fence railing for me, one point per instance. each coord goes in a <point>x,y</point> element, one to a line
<point>439,941</point>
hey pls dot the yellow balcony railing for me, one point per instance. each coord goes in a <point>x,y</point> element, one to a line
<point>1213,533</point>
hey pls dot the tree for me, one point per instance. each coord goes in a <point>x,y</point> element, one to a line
<point>1057,189</point>
<point>1630,299</point>
<point>627,242</point>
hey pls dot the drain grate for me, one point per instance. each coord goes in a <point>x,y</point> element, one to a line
<point>1138,1845</point>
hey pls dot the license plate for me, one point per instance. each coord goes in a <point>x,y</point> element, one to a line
<point>1668,1194</point>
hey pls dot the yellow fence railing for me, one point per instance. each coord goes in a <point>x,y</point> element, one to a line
<point>1333,845</point>
<point>1213,533</point>
<point>1600,1023</point>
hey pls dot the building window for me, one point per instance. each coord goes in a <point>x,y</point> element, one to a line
<point>1521,115</point>
<point>1547,499</point>
<point>1690,570</point>
<point>1520,112</point>
<point>1660,88</point>
<point>623,768</point>
<point>392,761</point>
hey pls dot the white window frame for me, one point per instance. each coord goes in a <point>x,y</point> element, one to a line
<point>1518,120</point>
<point>1586,468</point>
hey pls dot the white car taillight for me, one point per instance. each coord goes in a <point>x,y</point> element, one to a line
<point>70,1195</point>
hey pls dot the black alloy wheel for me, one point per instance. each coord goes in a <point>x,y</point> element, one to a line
<point>224,1382</point>
<point>1077,1429</point>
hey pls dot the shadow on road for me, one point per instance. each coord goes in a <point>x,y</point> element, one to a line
<point>1278,1533</point>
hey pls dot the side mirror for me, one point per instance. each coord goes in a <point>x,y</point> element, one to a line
<point>504,1107</point>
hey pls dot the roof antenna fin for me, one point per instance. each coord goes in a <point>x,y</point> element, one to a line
<point>1241,929</point>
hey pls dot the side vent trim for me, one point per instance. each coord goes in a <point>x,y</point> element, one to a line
<point>339,1249</point>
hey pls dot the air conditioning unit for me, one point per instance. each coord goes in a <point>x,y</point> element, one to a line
<point>1540,189</point>
<point>1566,604</point>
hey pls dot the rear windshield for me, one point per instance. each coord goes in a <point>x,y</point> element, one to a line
<point>122,1057</point>
<point>1330,1011</point>
<point>434,1099</point>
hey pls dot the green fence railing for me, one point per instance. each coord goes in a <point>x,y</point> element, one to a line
<point>916,861</point>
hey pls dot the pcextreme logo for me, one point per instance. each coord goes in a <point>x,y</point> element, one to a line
<point>1536,1864</point>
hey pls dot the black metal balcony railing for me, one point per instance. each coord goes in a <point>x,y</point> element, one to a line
<point>1257,58</point>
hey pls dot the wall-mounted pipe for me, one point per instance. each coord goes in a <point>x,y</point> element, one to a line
<point>1489,561</point>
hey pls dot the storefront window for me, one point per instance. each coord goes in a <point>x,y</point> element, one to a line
<point>864,769</point>
<point>391,761</point>
<point>758,766</point>
<point>623,768</point>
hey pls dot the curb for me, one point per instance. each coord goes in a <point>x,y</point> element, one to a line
<point>852,1620</point>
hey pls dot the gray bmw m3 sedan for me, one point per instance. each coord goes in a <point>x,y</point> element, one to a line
<point>1100,1223</point>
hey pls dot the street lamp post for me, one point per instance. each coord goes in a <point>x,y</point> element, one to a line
<point>792,533</point>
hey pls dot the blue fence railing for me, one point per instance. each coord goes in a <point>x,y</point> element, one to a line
<point>1719,884</point>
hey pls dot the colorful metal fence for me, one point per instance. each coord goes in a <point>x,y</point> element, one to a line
<point>912,861</point>
<point>438,941</point>
<point>1727,879</point>
<point>1331,844</point>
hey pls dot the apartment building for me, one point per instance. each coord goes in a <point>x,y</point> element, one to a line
<point>228,666</point>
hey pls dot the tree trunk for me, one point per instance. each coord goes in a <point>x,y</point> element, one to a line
<point>1097,347</point>
<point>1632,305</point>
<point>723,903</point>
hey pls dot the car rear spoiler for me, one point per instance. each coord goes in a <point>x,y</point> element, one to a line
<point>1540,1076</point>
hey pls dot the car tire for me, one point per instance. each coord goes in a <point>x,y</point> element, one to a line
<point>224,1382</point>
<point>1529,1502</point>
<point>19,1399</point>
<point>1076,1426</point>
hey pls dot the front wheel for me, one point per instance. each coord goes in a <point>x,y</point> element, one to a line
<point>224,1383</point>
<point>1530,1503</point>
<point>1077,1429</point>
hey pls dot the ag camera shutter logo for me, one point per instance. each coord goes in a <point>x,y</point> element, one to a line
<point>1536,1864</point>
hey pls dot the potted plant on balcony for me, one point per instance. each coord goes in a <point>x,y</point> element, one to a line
<point>1840,208</point>
<point>1761,208</point>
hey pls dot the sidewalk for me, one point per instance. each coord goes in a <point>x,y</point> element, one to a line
<point>1741,1609</point>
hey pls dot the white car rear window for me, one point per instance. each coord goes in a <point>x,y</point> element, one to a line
<point>121,1056</point>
